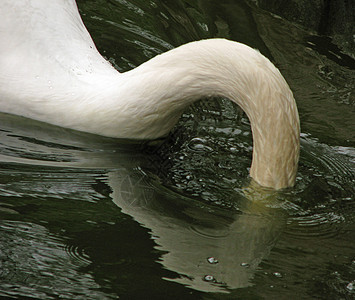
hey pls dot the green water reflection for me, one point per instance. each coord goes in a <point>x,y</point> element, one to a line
<point>87,217</point>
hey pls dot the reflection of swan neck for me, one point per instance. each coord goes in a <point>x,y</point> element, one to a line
<point>161,88</point>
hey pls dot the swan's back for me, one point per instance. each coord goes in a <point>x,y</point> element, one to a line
<point>45,47</point>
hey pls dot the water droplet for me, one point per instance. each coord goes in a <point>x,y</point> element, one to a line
<point>237,131</point>
<point>209,278</point>
<point>350,286</point>
<point>199,145</point>
<point>212,260</point>
<point>277,274</point>
<point>245,265</point>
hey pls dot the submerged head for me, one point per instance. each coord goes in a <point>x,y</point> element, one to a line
<point>217,67</point>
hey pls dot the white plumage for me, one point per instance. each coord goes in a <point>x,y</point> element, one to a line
<point>51,71</point>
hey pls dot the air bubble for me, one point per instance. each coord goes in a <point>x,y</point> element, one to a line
<point>350,286</point>
<point>212,260</point>
<point>209,278</point>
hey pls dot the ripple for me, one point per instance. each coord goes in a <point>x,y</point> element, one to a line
<point>199,145</point>
<point>335,165</point>
<point>35,265</point>
<point>215,231</point>
<point>323,225</point>
<point>78,254</point>
<point>323,196</point>
<point>32,143</point>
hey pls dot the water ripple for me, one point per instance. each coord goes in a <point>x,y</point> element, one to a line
<point>78,254</point>
<point>33,263</point>
<point>323,225</point>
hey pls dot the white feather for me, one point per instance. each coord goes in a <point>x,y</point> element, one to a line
<point>51,71</point>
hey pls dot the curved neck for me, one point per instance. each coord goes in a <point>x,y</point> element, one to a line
<point>160,89</point>
<point>66,82</point>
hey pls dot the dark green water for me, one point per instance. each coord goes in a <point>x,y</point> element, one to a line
<point>87,217</point>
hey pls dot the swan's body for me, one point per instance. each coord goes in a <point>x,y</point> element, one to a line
<point>51,71</point>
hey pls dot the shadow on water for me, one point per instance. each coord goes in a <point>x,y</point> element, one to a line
<point>88,217</point>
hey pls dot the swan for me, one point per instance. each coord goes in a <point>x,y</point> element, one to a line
<point>51,71</point>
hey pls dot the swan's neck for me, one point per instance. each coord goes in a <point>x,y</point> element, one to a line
<point>157,92</point>
<point>146,102</point>
<point>54,74</point>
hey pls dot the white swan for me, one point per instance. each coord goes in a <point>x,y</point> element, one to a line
<point>51,71</point>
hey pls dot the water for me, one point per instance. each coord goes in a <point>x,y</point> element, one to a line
<point>87,217</point>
